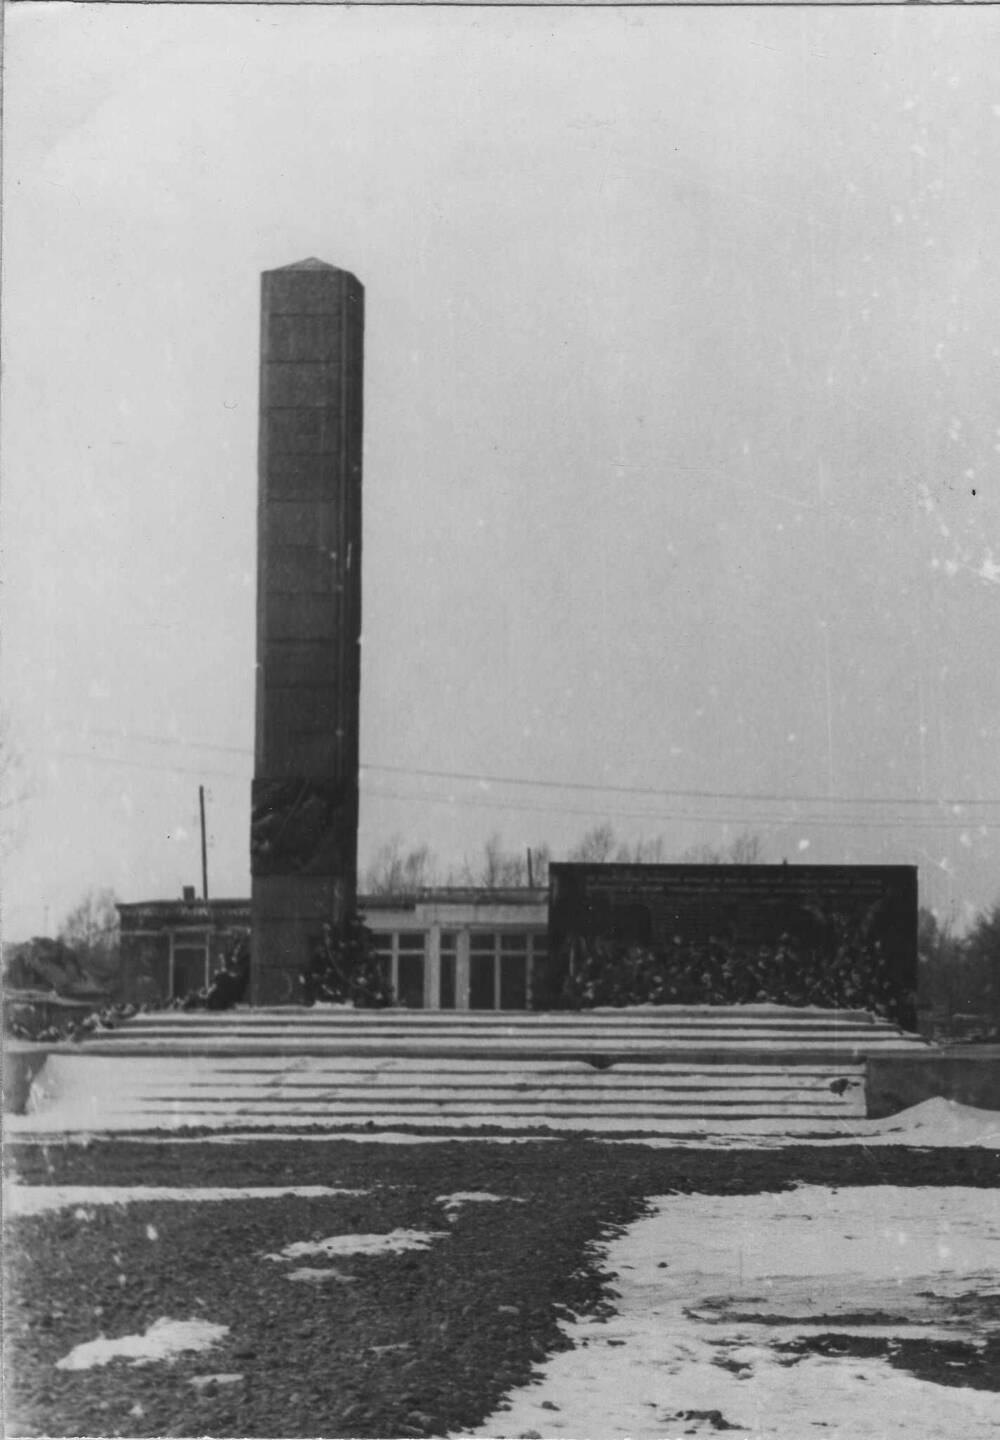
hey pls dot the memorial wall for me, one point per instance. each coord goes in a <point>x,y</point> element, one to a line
<point>843,936</point>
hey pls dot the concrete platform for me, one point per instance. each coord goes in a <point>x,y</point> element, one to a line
<point>968,1074</point>
<point>644,1071</point>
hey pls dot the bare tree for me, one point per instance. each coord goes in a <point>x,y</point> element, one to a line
<point>642,852</point>
<point>91,931</point>
<point>959,977</point>
<point>13,790</point>
<point>981,951</point>
<point>597,846</point>
<point>745,849</point>
<point>501,869</point>
<point>600,845</point>
<point>540,857</point>
<point>395,872</point>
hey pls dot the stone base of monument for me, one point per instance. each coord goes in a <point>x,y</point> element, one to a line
<point>645,1071</point>
<point>967,1074</point>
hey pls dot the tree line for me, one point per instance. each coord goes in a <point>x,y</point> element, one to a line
<point>395,870</point>
<point>959,975</point>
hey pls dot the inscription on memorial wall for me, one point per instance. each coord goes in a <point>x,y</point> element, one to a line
<point>800,934</point>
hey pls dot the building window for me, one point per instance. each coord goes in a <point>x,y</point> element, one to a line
<point>189,965</point>
<point>513,972</point>
<point>500,969</point>
<point>409,986</point>
<point>402,961</point>
<point>483,971</point>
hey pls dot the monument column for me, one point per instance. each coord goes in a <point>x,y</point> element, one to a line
<point>304,826</point>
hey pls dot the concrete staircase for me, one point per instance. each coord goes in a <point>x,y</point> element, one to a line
<point>647,1071</point>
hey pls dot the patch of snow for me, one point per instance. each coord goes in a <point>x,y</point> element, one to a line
<point>163,1340</point>
<point>932,1124</point>
<point>314,1273</point>
<point>941,1122</point>
<point>390,1243</point>
<point>385,1137</point>
<point>453,1203</point>
<point>40,1199</point>
<point>709,1285</point>
<point>206,1382</point>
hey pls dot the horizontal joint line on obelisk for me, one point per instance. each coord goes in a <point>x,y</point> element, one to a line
<point>298,314</point>
<point>327,365</point>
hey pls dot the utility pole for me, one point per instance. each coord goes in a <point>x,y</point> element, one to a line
<point>204,847</point>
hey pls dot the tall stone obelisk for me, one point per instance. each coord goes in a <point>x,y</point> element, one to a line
<point>303,843</point>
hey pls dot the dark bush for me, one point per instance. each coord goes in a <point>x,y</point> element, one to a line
<point>344,968</point>
<point>851,974</point>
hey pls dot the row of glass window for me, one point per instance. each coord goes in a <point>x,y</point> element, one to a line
<point>498,975</point>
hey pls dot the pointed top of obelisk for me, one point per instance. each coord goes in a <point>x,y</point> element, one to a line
<point>312,283</point>
<point>311,264</point>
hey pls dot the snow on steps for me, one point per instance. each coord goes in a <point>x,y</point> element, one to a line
<point>650,1070</point>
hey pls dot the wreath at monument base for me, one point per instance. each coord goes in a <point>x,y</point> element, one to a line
<point>607,971</point>
<point>344,968</point>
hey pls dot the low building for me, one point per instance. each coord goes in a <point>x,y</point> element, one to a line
<point>827,936</point>
<point>441,949</point>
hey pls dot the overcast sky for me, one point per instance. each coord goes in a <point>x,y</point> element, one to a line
<point>681,487</point>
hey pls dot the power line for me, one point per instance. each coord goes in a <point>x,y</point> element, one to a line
<point>174,740</point>
<point>651,817</point>
<point>481,778</point>
<point>91,758</point>
<point>499,803</point>
<point>676,794</point>
<point>846,822</point>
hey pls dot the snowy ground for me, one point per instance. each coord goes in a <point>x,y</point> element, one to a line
<point>711,1286</point>
<point>937,1123</point>
<point>850,1312</point>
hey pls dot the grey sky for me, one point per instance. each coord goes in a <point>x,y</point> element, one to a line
<point>681,427</point>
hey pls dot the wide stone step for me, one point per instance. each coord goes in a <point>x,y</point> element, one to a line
<point>597,1056</point>
<point>456,1085</point>
<point>417,1066</point>
<point>424,1023</point>
<point>279,1123</point>
<point>578,1100</point>
<point>486,1086</point>
<point>153,1118</point>
<point>633,1015</point>
<point>534,1106</point>
<point>364,1036</point>
<point>565,1036</point>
